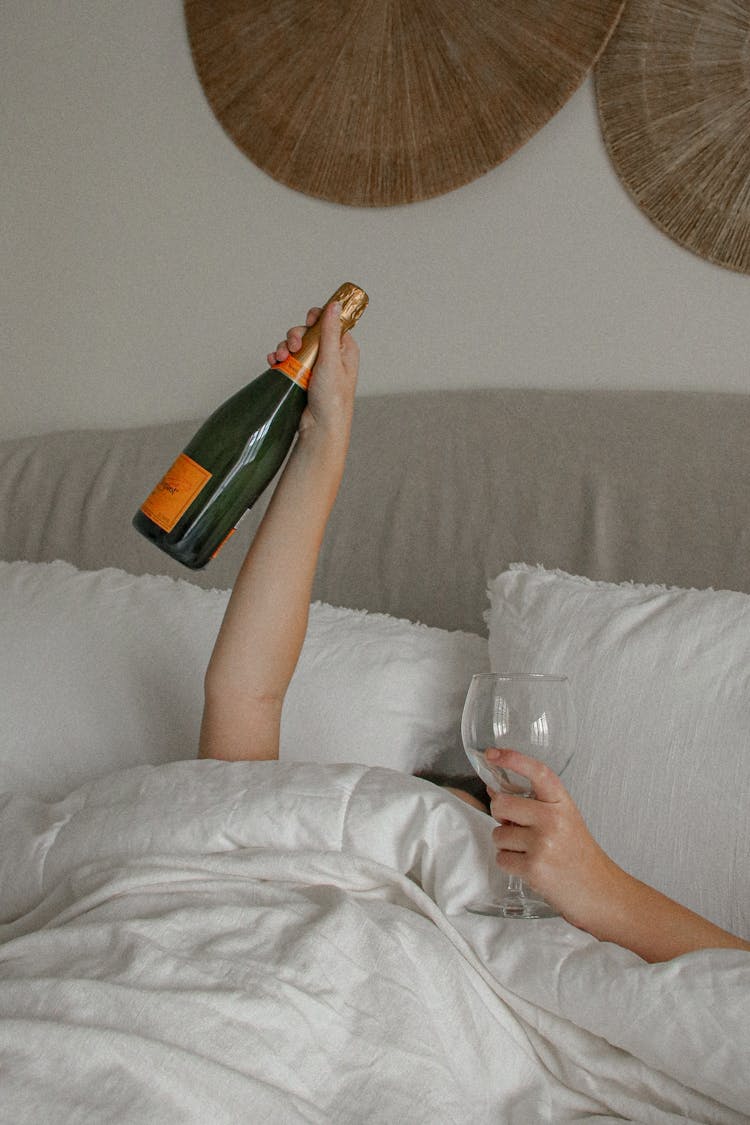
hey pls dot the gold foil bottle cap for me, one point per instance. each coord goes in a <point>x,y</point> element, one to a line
<point>353,303</point>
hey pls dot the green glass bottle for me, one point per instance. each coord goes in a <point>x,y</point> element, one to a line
<point>235,454</point>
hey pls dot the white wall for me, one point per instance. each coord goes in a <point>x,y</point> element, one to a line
<point>148,265</point>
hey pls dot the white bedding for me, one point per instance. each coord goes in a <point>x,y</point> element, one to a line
<point>215,943</point>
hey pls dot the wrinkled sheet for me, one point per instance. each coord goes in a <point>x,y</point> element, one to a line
<point>267,942</point>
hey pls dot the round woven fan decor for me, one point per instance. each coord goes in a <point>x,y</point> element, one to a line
<point>673,89</point>
<point>380,102</point>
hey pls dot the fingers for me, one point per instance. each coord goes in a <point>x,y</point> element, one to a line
<point>514,847</point>
<point>514,810</point>
<point>514,863</point>
<point>544,781</point>
<point>511,838</point>
<point>284,348</point>
<point>294,335</point>
<point>521,848</point>
<point>293,341</point>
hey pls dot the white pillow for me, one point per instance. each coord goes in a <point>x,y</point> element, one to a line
<point>661,683</point>
<point>101,670</point>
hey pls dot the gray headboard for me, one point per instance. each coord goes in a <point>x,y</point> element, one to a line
<point>442,491</point>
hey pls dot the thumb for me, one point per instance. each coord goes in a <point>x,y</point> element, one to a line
<point>330,331</point>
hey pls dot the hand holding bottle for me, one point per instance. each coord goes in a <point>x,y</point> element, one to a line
<point>330,392</point>
<point>236,453</point>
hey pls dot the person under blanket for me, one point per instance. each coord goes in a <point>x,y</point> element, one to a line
<point>544,839</point>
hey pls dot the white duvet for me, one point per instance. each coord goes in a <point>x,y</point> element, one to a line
<point>215,943</point>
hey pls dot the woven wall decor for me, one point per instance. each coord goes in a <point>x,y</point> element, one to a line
<point>673,89</point>
<point>381,102</point>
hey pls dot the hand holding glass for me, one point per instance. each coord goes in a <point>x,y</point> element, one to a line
<point>525,711</point>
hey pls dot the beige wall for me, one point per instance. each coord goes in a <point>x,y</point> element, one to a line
<point>148,266</point>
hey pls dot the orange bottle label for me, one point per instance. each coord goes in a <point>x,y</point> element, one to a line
<point>295,370</point>
<point>175,492</point>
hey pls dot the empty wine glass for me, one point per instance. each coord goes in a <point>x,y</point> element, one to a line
<point>530,712</point>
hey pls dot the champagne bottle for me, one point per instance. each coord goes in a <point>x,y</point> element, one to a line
<point>236,453</point>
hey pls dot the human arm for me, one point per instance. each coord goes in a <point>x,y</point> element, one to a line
<point>545,840</point>
<point>261,635</point>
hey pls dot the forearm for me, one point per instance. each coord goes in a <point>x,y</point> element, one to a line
<point>264,625</point>
<point>638,917</point>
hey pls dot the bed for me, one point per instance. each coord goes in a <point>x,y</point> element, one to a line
<point>287,942</point>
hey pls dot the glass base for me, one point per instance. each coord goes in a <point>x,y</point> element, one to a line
<point>524,907</point>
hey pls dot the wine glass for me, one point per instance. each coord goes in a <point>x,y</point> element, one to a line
<point>527,711</point>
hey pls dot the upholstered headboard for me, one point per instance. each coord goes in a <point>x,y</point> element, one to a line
<point>442,491</point>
